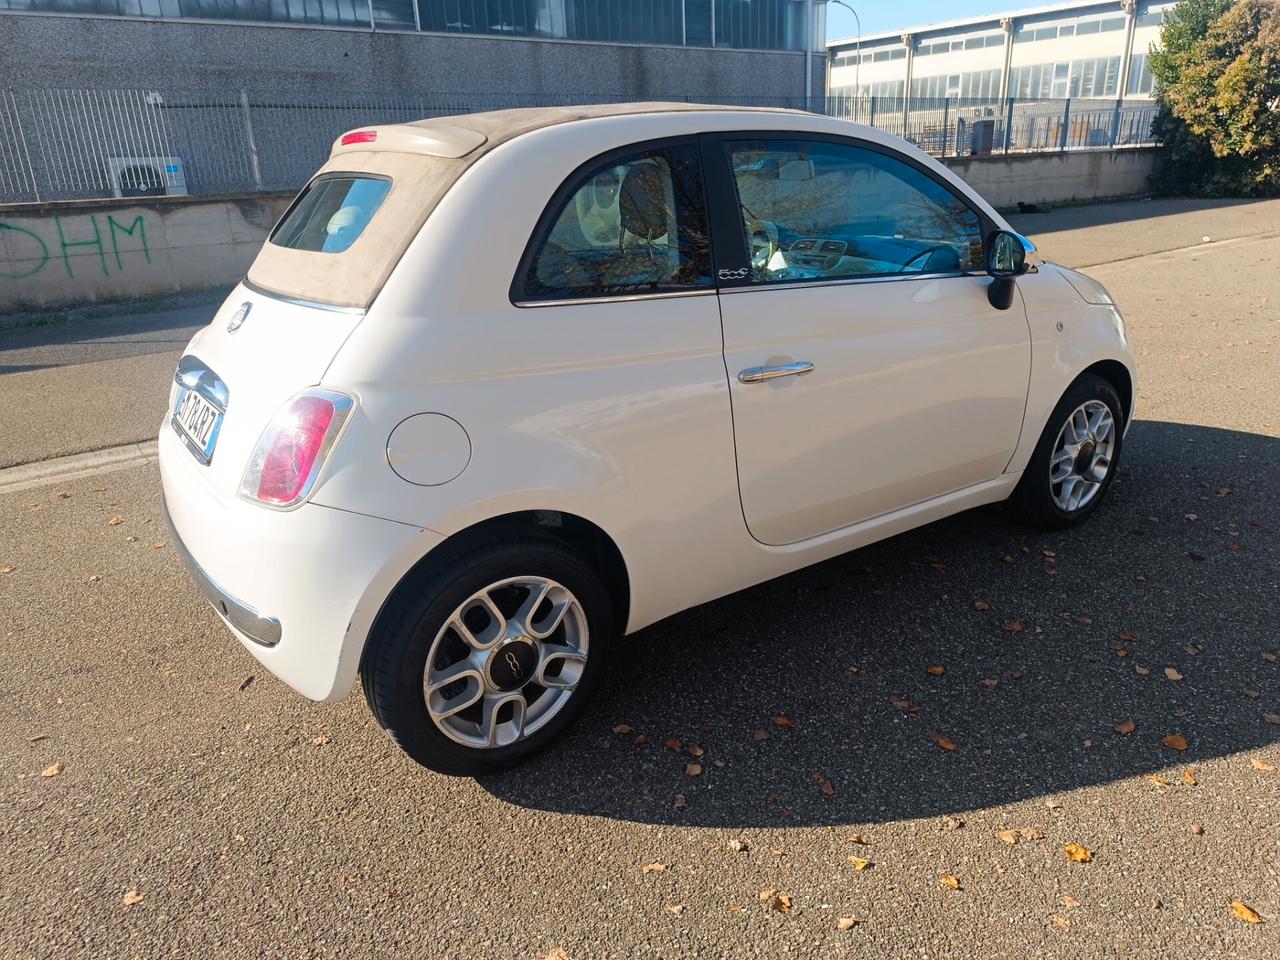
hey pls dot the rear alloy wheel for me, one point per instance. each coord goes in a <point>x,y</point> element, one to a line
<point>484,656</point>
<point>1075,460</point>
<point>506,661</point>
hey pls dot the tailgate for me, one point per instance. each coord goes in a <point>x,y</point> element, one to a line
<point>278,349</point>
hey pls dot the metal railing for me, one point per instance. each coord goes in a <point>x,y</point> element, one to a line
<point>58,144</point>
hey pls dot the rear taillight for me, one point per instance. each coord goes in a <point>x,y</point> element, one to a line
<point>292,449</point>
<point>359,136</point>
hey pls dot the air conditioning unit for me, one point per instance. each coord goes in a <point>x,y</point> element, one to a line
<point>147,177</point>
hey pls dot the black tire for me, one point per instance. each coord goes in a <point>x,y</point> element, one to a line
<point>395,657</point>
<point>1032,500</point>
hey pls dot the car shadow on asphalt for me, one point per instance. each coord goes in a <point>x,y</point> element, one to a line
<point>811,697</point>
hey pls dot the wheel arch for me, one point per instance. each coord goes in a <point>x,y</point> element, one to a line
<point>579,533</point>
<point>1121,380</point>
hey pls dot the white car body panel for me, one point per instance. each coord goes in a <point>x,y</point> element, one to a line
<point>617,412</point>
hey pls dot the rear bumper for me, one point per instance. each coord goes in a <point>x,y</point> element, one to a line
<point>258,627</point>
<point>301,588</point>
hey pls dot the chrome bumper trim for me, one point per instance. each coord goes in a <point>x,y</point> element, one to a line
<point>262,630</point>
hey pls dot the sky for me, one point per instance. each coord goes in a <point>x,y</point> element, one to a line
<point>880,15</point>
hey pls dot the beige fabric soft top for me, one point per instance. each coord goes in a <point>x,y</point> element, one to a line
<point>419,180</point>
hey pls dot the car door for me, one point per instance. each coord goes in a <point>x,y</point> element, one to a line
<point>868,372</point>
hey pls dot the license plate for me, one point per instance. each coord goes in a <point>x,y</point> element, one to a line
<point>197,422</point>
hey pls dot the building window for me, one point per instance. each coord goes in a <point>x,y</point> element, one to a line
<point>1140,79</point>
<point>754,24</point>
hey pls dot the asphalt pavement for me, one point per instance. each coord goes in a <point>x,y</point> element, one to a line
<point>199,808</point>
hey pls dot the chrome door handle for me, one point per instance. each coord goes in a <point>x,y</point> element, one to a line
<point>758,374</point>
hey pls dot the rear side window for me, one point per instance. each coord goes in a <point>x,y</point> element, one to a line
<point>630,225</point>
<point>331,213</point>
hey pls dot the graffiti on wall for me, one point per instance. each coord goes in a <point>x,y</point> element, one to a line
<point>71,245</point>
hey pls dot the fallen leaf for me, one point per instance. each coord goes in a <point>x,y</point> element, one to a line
<point>1189,777</point>
<point>1192,517</point>
<point>556,954</point>
<point>679,801</point>
<point>861,838</point>
<point>950,882</point>
<point>937,671</point>
<point>1262,765</point>
<point>1070,902</point>
<point>952,823</point>
<point>695,750</point>
<point>1269,657</point>
<point>622,729</point>
<point>1272,718</point>
<point>248,682</point>
<point>1157,780</point>
<point>1175,742</point>
<point>676,908</point>
<point>673,744</point>
<point>63,495</point>
<point>132,897</point>
<point>1053,804</point>
<point>847,923</point>
<point>1013,836</point>
<point>905,705</point>
<point>52,770</point>
<point>1172,674</point>
<point>320,740</point>
<point>738,846</point>
<point>114,522</point>
<point>1062,922</point>
<point>784,721</point>
<point>1251,693</point>
<point>7,568</point>
<point>860,864</point>
<point>981,605</point>
<point>1125,727</point>
<point>828,788</point>
<point>1014,627</point>
<point>778,901</point>
<point>1245,913</point>
<point>760,735</point>
<point>654,868</point>
<point>94,578</point>
<point>1008,558</point>
<point>640,739</point>
<point>945,742</point>
<point>989,683</point>
<point>693,769</point>
<point>1141,671</point>
<point>1077,853</point>
<point>1197,830</point>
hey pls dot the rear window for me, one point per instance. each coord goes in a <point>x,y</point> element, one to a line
<point>331,213</point>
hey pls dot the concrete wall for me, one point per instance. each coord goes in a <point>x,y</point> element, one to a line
<point>1057,177</point>
<point>75,51</point>
<point>81,252</point>
<point>78,252</point>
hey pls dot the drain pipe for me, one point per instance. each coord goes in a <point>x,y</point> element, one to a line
<point>808,55</point>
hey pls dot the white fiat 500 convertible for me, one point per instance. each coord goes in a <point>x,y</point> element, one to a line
<point>503,387</point>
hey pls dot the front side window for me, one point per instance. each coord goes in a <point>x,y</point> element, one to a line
<point>632,225</point>
<point>814,210</point>
<point>331,213</point>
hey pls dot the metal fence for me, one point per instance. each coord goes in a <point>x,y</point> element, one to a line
<point>58,144</point>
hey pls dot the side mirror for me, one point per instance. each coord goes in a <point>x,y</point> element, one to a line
<point>792,171</point>
<point>1006,259</point>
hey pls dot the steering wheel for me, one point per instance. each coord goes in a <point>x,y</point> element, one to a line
<point>926,252</point>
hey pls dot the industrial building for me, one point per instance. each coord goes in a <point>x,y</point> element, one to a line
<point>1080,49</point>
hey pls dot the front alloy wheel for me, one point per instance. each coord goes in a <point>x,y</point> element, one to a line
<point>1082,455</point>
<point>1075,459</point>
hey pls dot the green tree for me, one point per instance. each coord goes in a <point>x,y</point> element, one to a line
<point>1217,78</point>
